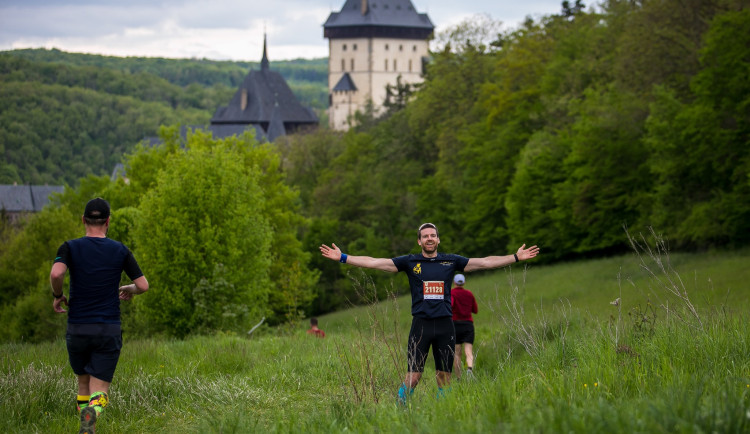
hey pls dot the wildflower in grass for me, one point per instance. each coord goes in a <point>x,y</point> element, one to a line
<point>585,386</point>
<point>596,384</point>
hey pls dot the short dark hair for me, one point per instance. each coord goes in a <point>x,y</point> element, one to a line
<point>429,226</point>
<point>313,321</point>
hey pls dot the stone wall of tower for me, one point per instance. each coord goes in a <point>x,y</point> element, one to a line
<point>372,63</point>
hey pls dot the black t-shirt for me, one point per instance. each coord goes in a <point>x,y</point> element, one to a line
<point>430,280</point>
<point>96,266</point>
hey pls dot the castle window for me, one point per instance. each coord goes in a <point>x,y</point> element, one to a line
<point>414,48</point>
<point>409,65</point>
<point>400,48</point>
<point>386,64</point>
<point>386,47</point>
<point>344,47</point>
<point>354,47</point>
<point>343,65</point>
<point>394,65</point>
<point>351,65</point>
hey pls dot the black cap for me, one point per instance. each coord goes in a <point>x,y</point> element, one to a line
<point>97,209</point>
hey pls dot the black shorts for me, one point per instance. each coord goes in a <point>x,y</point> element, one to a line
<point>464,332</point>
<point>436,333</point>
<point>94,349</point>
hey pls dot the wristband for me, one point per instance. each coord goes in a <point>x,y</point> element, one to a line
<point>515,256</point>
<point>343,258</point>
<point>57,296</point>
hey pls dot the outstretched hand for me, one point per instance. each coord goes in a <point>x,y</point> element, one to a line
<point>331,252</point>
<point>524,254</point>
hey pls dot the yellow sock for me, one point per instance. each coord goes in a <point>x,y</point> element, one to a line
<point>82,401</point>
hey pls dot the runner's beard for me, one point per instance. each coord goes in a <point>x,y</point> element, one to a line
<point>429,248</point>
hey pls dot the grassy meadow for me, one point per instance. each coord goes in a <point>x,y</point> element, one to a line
<point>553,354</point>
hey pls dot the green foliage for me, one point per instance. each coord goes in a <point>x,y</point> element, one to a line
<point>605,171</point>
<point>30,317</point>
<point>217,305</point>
<point>64,115</point>
<point>34,247</point>
<point>182,72</point>
<point>205,209</point>
<point>555,133</point>
<point>54,133</point>
<point>699,151</point>
<point>530,199</point>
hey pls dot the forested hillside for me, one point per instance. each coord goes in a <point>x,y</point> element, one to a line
<point>559,133</point>
<point>66,115</point>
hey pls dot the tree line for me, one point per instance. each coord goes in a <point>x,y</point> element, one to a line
<point>184,72</point>
<point>64,116</point>
<point>558,133</point>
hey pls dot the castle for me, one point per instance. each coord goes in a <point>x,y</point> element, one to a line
<point>371,43</point>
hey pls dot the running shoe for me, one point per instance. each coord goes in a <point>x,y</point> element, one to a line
<point>88,420</point>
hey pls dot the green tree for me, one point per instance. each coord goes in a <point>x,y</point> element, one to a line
<point>700,149</point>
<point>206,208</point>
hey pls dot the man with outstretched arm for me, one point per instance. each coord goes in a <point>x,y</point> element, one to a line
<point>94,336</point>
<point>430,277</point>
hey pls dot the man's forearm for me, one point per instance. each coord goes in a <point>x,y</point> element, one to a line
<point>382,264</point>
<point>57,286</point>
<point>489,262</point>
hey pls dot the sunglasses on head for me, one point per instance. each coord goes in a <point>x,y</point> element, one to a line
<point>426,225</point>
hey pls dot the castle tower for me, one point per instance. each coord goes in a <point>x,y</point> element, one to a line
<point>370,44</point>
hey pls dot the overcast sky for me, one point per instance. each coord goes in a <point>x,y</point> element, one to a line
<point>213,29</point>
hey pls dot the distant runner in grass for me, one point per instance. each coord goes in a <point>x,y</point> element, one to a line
<point>314,330</point>
<point>430,277</point>
<point>94,336</point>
<point>463,305</point>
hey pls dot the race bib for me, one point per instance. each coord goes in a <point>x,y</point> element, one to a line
<point>433,290</point>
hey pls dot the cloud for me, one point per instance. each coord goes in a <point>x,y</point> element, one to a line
<point>216,29</point>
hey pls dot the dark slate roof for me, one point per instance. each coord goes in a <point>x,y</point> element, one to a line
<point>390,13</point>
<point>29,198</point>
<point>345,84</point>
<point>276,126</point>
<point>265,91</point>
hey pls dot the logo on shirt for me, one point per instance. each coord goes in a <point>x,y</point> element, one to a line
<point>432,290</point>
<point>446,263</point>
<point>418,268</point>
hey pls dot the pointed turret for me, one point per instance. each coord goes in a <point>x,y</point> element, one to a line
<point>264,61</point>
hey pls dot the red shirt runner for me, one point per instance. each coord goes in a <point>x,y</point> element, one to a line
<point>463,304</point>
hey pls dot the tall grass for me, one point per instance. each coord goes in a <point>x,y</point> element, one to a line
<point>552,355</point>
